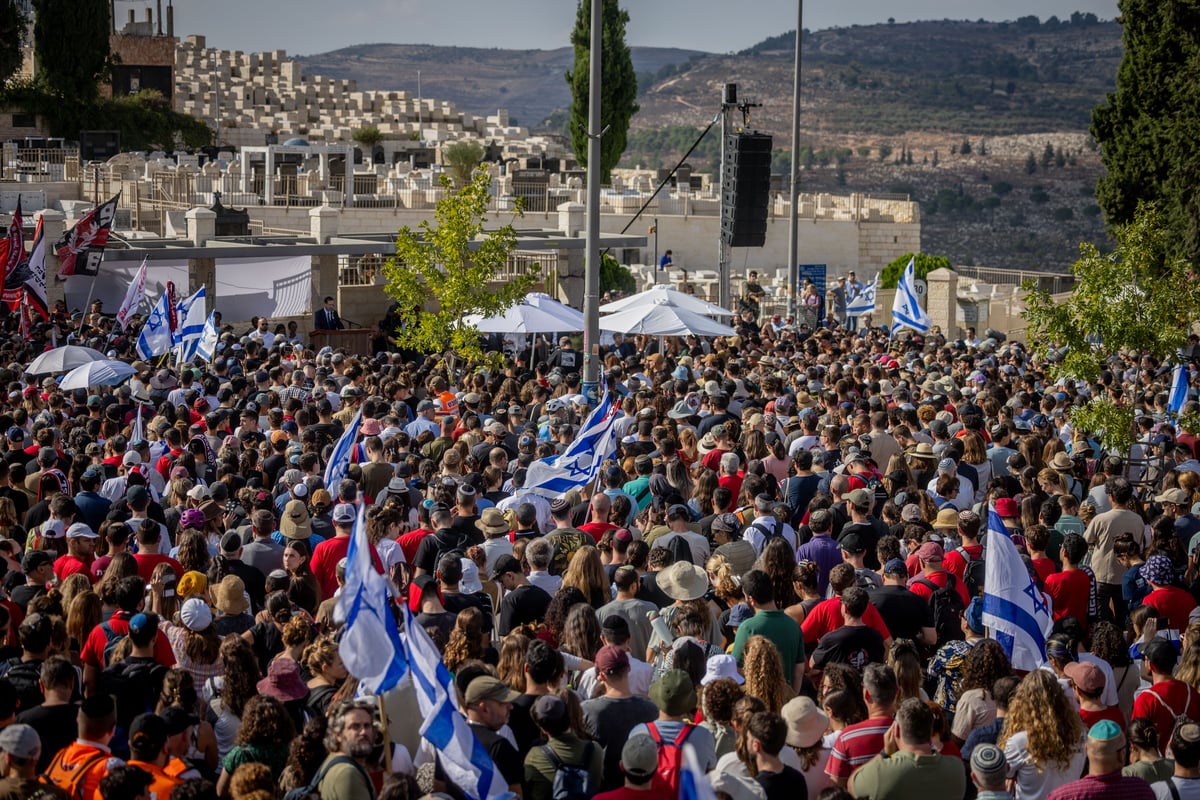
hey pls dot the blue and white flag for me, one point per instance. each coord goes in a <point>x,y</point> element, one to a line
<point>864,302</point>
<point>1016,614</point>
<point>139,431</point>
<point>371,647</point>
<point>207,345</point>
<point>579,463</point>
<point>906,308</point>
<point>1179,389</point>
<point>693,784</point>
<point>155,338</point>
<point>339,459</point>
<point>463,757</point>
<point>191,315</point>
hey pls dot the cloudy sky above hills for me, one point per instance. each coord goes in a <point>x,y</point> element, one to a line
<point>314,26</point>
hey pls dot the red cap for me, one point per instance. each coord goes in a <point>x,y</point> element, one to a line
<point>1007,507</point>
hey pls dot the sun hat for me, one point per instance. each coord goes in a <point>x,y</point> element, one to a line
<point>1158,569</point>
<point>719,666</point>
<point>492,521</point>
<point>469,583</point>
<point>283,681</point>
<point>806,722</point>
<point>295,523</point>
<point>674,693</point>
<point>683,581</point>
<point>1061,462</point>
<point>946,518</point>
<point>230,596</point>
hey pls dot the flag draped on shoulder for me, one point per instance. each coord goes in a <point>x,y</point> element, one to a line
<point>339,459</point>
<point>578,465</point>
<point>1179,389</point>
<point>906,308</point>
<point>1014,611</point>
<point>208,338</point>
<point>190,316</point>
<point>81,249</point>
<point>156,338</point>
<point>135,295</point>
<point>34,286</point>
<point>15,263</point>
<point>460,753</point>
<point>370,648</point>
<point>864,302</point>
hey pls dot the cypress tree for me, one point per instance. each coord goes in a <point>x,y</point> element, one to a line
<point>71,46</point>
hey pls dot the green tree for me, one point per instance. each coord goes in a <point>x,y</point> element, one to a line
<point>1030,164</point>
<point>1149,128</point>
<point>71,46</point>
<point>452,264</point>
<point>889,278</point>
<point>615,275</point>
<point>13,26</point>
<point>1138,297</point>
<point>618,83</point>
<point>368,136</point>
<point>462,158</point>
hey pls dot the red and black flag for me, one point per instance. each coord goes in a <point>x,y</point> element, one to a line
<point>12,256</point>
<point>81,249</point>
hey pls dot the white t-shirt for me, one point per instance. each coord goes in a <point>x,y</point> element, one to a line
<point>1189,789</point>
<point>1034,782</point>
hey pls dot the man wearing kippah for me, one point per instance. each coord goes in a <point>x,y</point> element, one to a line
<point>1185,783</point>
<point>1106,753</point>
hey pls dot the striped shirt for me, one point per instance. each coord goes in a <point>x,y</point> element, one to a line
<point>856,745</point>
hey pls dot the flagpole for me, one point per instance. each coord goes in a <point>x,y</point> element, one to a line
<point>91,292</point>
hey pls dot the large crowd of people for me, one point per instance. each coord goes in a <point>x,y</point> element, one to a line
<point>776,581</point>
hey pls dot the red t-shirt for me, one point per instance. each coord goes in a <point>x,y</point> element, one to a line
<point>93,649</point>
<point>827,616</point>
<point>956,565</point>
<point>1113,713</point>
<point>148,561</point>
<point>325,558</point>
<point>712,459</point>
<point>68,565</point>
<point>733,483</point>
<point>1164,701</point>
<point>1069,591</point>
<point>1172,603</point>
<point>856,745</point>
<point>410,541</point>
<point>938,579</point>
<point>1045,567</point>
<point>597,529</point>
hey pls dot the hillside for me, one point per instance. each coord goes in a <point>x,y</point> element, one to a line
<point>886,109</point>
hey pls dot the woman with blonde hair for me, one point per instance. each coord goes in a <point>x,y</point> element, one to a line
<point>10,527</point>
<point>83,614</point>
<point>71,586</point>
<point>688,451</point>
<point>764,674</point>
<point>1042,737</point>
<point>511,669</point>
<point>325,665</point>
<point>586,573</point>
<point>975,454</point>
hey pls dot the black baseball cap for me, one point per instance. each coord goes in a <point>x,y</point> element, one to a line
<point>504,565</point>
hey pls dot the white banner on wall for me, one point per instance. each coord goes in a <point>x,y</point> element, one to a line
<point>246,287</point>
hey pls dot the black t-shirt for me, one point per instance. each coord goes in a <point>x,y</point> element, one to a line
<point>272,465</point>
<point>520,720</point>
<point>903,612</point>
<point>443,621</point>
<point>524,604</point>
<point>465,527</point>
<point>508,760</point>
<point>56,725</point>
<point>268,643</point>
<point>443,541</point>
<point>868,534</point>
<point>856,645</point>
<point>457,601</point>
<point>648,590</point>
<point>25,593</point>
<point>787,784</point>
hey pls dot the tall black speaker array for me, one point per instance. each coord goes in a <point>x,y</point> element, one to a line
<point>746,189</point>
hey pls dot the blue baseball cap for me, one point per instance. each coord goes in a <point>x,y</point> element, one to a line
<point>974,615</point>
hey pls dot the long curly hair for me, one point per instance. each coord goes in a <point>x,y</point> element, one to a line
<point>764,674</point>
<point>905,661</point>
<point>778,560</point>
<point>746,707</point>
<point>585,572</point>
<point>178,689</point>
<point>1109,643</point>
<point>241,674</point>
<point>265,720</point>
<point>555,619</point>
<point>193,551</point>
<point>511,669</point>
<point>1053,728</point>
<point>1189,664</point>
<point>306,754</point>
<point>984,665</point>
<point>581,633</point>
<point>466,640</point>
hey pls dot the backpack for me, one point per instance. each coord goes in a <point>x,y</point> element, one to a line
<point>571,782</point>
<point>670,757</point>
<point>24,676</point>
<point>1180,718</point>
<point>312,791</point>
<point>135,685</point>
<point>445,548</point>
<point>947,609</point>
<point>768,535</point>
<point>973,573</point>
<point>111,640</point>
<point>70,778</point>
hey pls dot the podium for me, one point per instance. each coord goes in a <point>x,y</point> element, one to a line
<point>355,341</point>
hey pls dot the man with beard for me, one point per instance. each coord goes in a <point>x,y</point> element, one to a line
<point>351,738</point>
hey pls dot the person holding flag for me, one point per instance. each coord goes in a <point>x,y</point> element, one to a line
<point>1015,611</point>
<point>907,311</point>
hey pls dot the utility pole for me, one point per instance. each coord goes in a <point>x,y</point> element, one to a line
<point>794,206</point>
<point>728,103</point>
<point>591,267</point>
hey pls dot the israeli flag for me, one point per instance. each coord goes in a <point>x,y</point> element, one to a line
<point>463,757</point>
<point>339,459</point>
<point>864,302</point>
<point>139,431</point>
<point>370,646</point>
<point>578,465</point>
<point>155,338</point>
<point>906,308</point>
<point>207,345</point>
<point>1179,389</point>
<point>1016,614</point>
<point>693,784</point>
<point>191,316</point>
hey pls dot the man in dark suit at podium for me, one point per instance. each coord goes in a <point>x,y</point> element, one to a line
<point>327,318</point>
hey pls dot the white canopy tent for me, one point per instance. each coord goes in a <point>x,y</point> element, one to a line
<point>662,319</point>
<point>537,313</point>
<point>666,295</point>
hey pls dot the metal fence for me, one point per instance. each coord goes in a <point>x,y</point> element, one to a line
<point>1051,282</point>
<point>367,270</point>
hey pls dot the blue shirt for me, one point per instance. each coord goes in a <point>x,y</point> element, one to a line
<point>823,551</point>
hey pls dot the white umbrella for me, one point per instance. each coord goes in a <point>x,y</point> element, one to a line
<point>661,319</point>
<point>525,317</point>
<point>63,359</point>
<point>97,373</point>
<point>669,295</point>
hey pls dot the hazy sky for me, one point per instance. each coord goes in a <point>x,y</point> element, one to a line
<point>313,26</point>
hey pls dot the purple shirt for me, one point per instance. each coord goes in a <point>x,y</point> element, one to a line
<point>823,551</point>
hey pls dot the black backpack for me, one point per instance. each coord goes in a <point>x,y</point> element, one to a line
<point>973,572</point>
<point>947,609</point>
<point>768,535</point>
<point>24,676</point>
